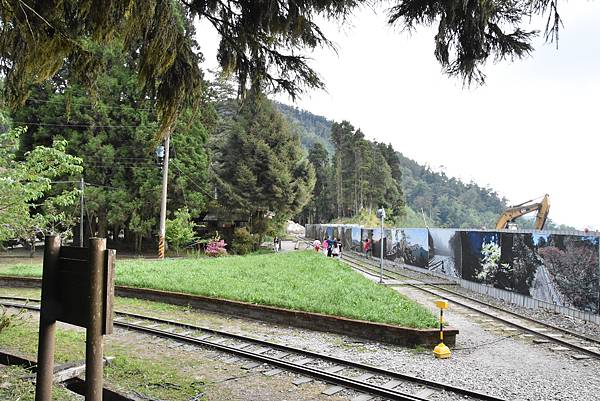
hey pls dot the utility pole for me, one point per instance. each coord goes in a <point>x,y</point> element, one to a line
<point>163,202</point>
<point>81,186</point>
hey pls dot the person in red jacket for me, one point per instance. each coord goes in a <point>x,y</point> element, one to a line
<point>367,247</point>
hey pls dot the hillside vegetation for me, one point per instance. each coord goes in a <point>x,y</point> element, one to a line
<point>311,127</point>
<point>348,166</point>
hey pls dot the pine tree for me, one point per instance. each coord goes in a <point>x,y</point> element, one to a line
<point>259,166</point>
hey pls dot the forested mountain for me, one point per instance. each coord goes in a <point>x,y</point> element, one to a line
<point>312,128</point>
<point>445,201</point>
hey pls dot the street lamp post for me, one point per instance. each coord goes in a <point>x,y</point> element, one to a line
<point>381,215</point>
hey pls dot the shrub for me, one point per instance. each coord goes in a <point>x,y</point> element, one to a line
<point>180,230</point>
<point>243,241</point>
<point>216,248</point>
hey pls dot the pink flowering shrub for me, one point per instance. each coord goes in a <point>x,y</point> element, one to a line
<point>216,248</point>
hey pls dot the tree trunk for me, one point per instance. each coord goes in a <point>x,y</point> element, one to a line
<point>340,192</point>
<point>32,247</point>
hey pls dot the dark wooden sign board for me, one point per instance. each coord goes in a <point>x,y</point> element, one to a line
<point>72,282</point>
<point>77,288</point>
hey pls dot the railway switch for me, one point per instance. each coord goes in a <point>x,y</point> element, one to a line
<point>441,351</point>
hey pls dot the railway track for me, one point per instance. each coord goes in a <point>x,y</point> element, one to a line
<point>586,346</point>
<point>369,381</point>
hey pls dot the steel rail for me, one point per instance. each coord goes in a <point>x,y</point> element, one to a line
<point>330,377</point>
<point>498,308</point>
<point>505,321</point>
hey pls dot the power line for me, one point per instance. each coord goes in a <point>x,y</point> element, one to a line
<point>149,165</point>
<point>193,182</point>
<point>202,190</point>
<point>90,105</point>
<point>76,125</point>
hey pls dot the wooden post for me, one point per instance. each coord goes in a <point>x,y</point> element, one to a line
<point>43,385</point>
<point>93,345</point>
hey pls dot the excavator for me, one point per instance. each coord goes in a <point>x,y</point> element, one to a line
<point>513,212</point>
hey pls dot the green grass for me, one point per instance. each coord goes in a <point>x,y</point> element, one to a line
<point>23,270</point>
<point>13,387</point>
<point>296,280</point>
<point>23,337</point>
<point>157,380</point>
<point>151,378</point>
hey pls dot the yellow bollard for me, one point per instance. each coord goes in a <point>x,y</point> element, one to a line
<point>442,351</point>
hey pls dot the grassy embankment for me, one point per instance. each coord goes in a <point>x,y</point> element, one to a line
<point>296,280</point>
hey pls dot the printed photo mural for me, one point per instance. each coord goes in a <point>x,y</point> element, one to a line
<point>376,242</point>
<point>311,232</point>
<point>445,252</point>
<point>346,237</point>
<point>517,266</point>
<point>480,255</point>
<point>568,271</point>
<point>557,268</point>
<point>408,245</point>
<point>394,250</point>
<point>356,237</point>
<point>365,234</point>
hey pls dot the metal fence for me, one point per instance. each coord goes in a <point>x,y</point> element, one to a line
<point>511,297</point>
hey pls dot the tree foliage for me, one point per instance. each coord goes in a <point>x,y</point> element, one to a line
<point>469,32</point>
<point>115,136</point>
<point>29,201</point>
<point>258,164</point>
<point>243,241</point>
<point>361,175</point>
<point>370,174</point>
<point>180,230</point>
<point>316,129</point>
<point>260,44</point>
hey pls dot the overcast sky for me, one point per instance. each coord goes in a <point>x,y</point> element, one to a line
<point>532,129</point>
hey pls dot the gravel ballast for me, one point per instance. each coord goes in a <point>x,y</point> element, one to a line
<point>485,359</point>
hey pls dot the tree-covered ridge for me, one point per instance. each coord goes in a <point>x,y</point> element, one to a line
<point>365,167</point>
<point>316,129</point>
<point>447,201</point>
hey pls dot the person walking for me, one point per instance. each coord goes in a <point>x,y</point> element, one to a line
<point>340,250</point>
<point>367,248</point>
<point>335,251</point>
<point>329,247</point>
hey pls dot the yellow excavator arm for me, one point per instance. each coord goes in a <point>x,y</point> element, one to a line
<point>510,214</point>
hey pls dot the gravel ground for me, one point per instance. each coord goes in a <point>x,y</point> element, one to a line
<point>567,322</point>
<point>581,326</point>
<point>485,359</point>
